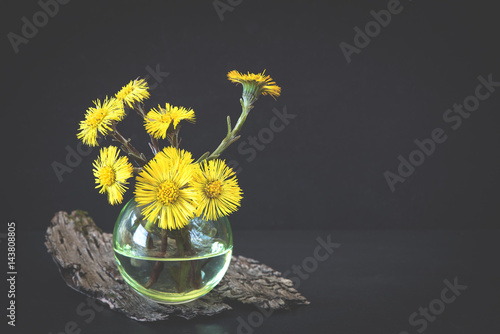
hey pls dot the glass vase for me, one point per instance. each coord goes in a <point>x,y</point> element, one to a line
<point>171,266</point>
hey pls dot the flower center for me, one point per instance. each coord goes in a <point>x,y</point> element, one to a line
<point>107,176</point>
<point>124,92</point>
<point>213,189</point>
<point>168,192</point>
<point>165,118</point>
<point>96,118</point>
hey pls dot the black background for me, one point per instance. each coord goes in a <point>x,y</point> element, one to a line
<point>323,172</point>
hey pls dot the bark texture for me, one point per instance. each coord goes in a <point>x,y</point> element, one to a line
<point>84,256</point>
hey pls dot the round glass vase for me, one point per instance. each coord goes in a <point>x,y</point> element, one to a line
<point>171,266</point>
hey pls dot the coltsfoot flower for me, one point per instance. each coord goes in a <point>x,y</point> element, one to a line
<point>111,174</point>
<point>134,91</point>
<point>218,189</point>
<point>158,121</point>
<point>164,190</point>
<point>255,85</point>
<point>98,119</point>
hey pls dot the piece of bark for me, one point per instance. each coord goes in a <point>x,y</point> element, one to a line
<point>84,255</point>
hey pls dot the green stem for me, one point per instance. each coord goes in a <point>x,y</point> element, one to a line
<point>232,134</point>
<point>159,265</point>
<point>184,274</point>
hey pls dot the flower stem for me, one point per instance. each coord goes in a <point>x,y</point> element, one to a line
<point>186,275</point>
<point>138,157</point>
<point>158,267</point>
<point>173,137</point>
<point>155,148</point>
<point>232,134</point>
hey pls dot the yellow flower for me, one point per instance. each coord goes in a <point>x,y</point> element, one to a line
<point>157,122</point>
<point>165,192</point>
<point>255,84</point>
<point>98,119</point>
<point>179,156</point>
<point>111,174</point>
<point>219,193</point>
<point>135,91</point>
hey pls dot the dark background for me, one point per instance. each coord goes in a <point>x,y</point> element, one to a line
<point>322,173</point>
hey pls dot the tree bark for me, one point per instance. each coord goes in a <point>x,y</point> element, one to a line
<point>84,256</point>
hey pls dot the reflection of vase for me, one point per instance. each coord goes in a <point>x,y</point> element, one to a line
<point>171,266</point>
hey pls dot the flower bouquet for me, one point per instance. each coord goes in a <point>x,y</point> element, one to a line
<point>172,241</point>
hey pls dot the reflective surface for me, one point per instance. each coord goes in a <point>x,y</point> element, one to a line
<point>171,267</point>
